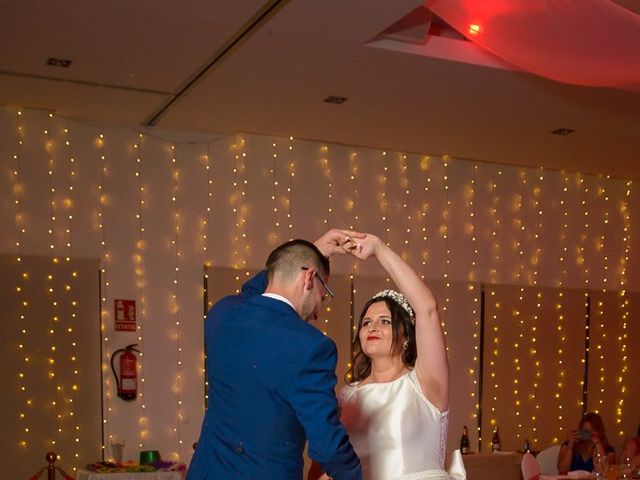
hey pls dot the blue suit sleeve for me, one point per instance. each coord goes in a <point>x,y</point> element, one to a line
<point>312,395</point>
<point>255,285</point>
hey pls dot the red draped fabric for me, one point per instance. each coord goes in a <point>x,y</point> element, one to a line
<point>584,42</point>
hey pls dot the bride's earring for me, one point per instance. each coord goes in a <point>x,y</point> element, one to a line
<point>405,344</point>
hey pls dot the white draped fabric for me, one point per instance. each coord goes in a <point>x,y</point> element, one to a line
<point>396,432</point>
<point>583,42</point>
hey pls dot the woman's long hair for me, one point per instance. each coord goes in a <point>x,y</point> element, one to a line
<point>402,328</point>
<point>597,425</point>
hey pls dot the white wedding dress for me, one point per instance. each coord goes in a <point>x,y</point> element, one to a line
<point>397,433</point>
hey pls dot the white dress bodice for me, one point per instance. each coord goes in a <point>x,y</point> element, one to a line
<point>395,430</point>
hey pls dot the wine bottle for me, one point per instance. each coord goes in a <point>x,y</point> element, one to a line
<point>464,441</point>
<point>496,446</point>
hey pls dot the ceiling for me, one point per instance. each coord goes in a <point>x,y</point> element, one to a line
<point>259,66</point>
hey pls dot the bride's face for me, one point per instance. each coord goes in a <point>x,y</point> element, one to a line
<point>376,331</point>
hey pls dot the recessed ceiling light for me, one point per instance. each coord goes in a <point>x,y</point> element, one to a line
<point>562,131</point>
<point>335,99</point>
<point>59,62</point>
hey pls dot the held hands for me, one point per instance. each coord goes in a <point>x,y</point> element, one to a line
<point>338,242</point>
<point>363,248</point>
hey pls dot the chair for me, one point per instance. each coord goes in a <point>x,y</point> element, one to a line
<point>530,467</point>
<point>548,460</point>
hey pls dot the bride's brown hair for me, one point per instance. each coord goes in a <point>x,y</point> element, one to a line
<point>402,328</point>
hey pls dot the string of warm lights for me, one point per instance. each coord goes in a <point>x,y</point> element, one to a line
<point>105,317</point>
<point>623,307</point>
<point>560,354</point>
<point>52,301</point>
<point>326,172</point>
<point>24,411</point>
<point>533,351</point>
<point>208,208</point>
<point>518,313</point>
<point>494,385</point>
<point>518,238</point>
<point>141,283</point>
<point>444,230</point>
<point>470,226</point>
<point>208,263</point>
<point>496,224</point>
<point>24,414</point>
<point>52,190</point>
<point>425,164</point>
<point>291,171</point>
<point>493,346</point>
<point>175,296</point>
<point>603,199</point>
<point>75,387</point>
<point>517,375</point>
<point>602,192</point>
<point>352,201</point>
<point>585,231</point>
<point>235,208</point>
<point>383,197</point>
<point>18,188</point>
<point>564,212</point>
<point>51,326</point>
<point>274,237</point>
<point>559,308</point>
<point>240,210</point>
<point>471,288</point>
<point>583,191</point>
<point>68,203</point>
<point>406,214</point>
<point>538,212</point>
<point>325,163</point>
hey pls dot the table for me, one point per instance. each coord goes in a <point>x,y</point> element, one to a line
<point>87,475</point>
<point>492,466</point>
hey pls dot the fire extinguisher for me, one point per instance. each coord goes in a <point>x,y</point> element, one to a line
<point>128,382</point>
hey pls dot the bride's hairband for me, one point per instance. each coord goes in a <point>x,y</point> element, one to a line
<point>400,299</point>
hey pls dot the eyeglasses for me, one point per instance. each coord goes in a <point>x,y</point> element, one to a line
<point>325,298</point>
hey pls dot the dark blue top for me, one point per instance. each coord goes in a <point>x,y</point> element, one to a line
<point>579,463</point>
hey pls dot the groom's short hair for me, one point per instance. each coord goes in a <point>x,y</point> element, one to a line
<point>287,259</point>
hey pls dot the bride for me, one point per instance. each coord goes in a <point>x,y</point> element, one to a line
<point>395,407</point>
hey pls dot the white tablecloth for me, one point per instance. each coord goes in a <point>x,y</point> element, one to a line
<point>87,475</point>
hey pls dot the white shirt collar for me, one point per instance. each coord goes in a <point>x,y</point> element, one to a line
<point>279,297</point>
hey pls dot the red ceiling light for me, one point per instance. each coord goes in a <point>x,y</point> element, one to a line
<point>474,28</point>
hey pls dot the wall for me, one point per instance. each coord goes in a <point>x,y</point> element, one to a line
<point>156,206</point>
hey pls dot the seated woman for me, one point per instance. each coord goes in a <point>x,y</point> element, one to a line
<point>578,451</point>
<point>396,407</point>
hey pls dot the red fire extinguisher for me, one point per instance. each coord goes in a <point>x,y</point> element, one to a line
<point>128,382</point>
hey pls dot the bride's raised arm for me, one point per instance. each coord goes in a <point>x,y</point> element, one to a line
<point>432,365</point>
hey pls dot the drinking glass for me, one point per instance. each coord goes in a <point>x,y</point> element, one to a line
<point>600,465</point>
<point>116,449</point>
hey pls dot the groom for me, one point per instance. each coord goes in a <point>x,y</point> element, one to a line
<point>272,375</point>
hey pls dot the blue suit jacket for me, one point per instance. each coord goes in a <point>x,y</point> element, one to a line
<point>271,387</point>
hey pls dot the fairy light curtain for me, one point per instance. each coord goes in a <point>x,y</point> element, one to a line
<point>51,362</point>
<point>589,42</point>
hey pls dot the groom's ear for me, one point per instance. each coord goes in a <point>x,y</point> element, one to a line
<point>308,278</point>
